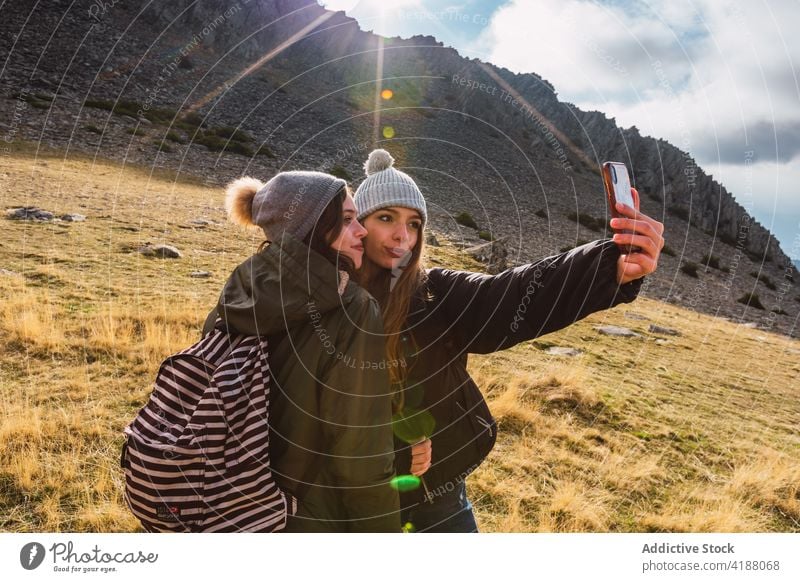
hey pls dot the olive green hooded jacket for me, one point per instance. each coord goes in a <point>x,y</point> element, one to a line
<point>331,441</point>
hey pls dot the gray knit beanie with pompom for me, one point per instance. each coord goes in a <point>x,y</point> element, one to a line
<point>386,186</point>
<point>291,202</point>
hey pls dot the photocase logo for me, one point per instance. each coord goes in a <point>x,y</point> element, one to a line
<point>31,556</point>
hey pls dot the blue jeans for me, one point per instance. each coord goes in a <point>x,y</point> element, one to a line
<point>449,513</point>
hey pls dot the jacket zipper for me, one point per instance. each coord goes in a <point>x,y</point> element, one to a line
<point>482,421</point>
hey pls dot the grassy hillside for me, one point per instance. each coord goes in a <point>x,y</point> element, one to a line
<point>696,432</point>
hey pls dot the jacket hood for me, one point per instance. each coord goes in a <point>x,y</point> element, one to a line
<point>284,285</point>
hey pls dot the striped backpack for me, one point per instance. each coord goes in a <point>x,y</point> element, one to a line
<point>196,457</point>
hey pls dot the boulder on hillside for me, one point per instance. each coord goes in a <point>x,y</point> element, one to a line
<point>563,351</point>
<point>663,330</point>
<point>431,240</point>
<point>73,217</point>
<point>29,213</point>
<point>617,331</point>
<point>160,251</point>
<point>493,254</point>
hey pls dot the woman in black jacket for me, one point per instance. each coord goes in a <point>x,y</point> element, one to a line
<point>330,409</point>
<point>434,318</point>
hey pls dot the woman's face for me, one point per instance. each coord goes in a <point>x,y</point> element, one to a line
<point>350,239</point>
<point>392,234</point>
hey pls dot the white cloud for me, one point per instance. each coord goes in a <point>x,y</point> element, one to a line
<point>685,71</point>
<point>583,48</point>
<point>714,78</point>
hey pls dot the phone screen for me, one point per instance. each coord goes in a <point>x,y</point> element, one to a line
<point>622,184</point>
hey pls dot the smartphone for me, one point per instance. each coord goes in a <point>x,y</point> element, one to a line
<point>618,189</point>
<point>618,185</point>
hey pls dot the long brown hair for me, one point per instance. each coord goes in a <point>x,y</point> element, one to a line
<point>395,301</point>
<point>326,230</point>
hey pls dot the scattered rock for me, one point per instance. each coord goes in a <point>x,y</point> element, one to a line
<point>431,240</point>
<point>634,315</point>
<point>201,222</point>
<point>493,254</point>
<point>160,251</point>
<point>29,213</point>
<point>200,274</point>
<point>8,273</point>
<point>449,198</point>
<point>559,351</point>
<point>73,217</point>
<point>167,252</point>
<point>662,341</point>
<point>663,330</point>
<point>617,331</point>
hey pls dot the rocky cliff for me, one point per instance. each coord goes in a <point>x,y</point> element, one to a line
<point>220,88</point>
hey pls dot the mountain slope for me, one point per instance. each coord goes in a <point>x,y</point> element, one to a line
<point>168,84</point>
<point>689,432</point>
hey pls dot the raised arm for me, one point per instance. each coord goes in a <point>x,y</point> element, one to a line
<point>489,313</point>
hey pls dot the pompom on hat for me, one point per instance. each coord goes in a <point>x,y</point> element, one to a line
<point>290,202</point>
<point>387,186</point>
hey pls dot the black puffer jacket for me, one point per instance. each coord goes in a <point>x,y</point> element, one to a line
<point>461,313</point>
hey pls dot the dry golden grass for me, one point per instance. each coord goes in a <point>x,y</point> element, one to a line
<point>696,434</point>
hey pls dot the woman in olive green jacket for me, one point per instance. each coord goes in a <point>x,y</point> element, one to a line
<point>331,442</point>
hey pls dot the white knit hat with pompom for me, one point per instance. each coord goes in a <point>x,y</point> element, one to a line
<point>387,186</point>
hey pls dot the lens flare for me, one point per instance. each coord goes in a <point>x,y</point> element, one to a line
<point>412,426</point>
<point>387,94</point>
<point>388,132</point>
<point>405,483</point>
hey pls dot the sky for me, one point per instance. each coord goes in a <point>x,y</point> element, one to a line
<point>719,79</point>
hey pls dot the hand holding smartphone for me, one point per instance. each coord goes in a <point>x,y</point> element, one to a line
<point>618,189</point>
